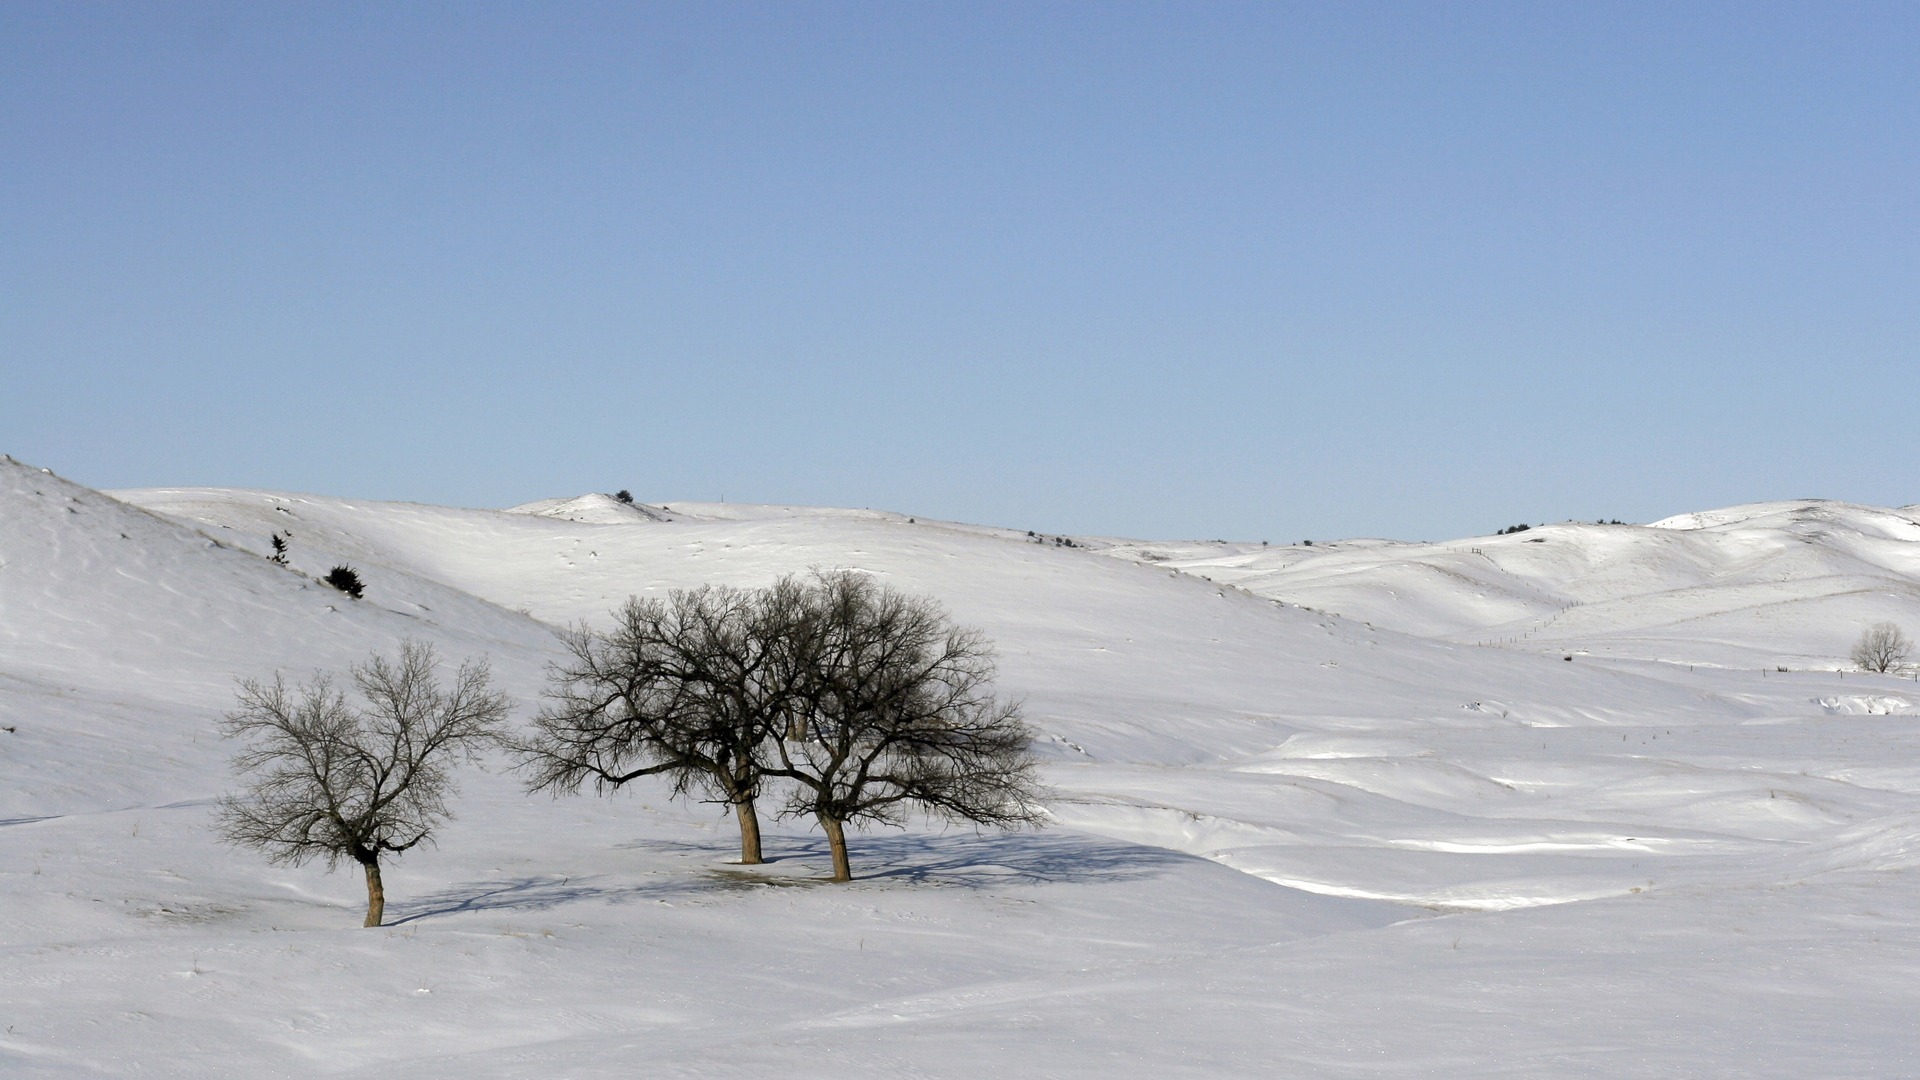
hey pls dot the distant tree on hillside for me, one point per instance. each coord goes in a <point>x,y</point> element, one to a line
<point>331,780</point>
<point>1883,648</point>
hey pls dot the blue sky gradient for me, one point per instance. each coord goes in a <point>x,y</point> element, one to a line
<point>1253,271</point>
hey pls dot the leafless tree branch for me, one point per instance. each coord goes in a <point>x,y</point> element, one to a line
<point>333,781</point>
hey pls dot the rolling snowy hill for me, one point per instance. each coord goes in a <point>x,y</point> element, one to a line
<point>1764,585</point>
<point>1308,823</point>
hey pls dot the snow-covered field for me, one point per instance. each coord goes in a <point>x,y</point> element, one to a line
<point>1346,810</point>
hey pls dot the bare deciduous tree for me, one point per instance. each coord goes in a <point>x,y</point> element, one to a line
<point>895,714</point>
<point>868,704</point>
<point>682,689</point>
<point>331,780</point>
<point>1882,647</point>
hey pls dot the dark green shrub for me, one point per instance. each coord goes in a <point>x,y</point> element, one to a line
<point>346,579</point>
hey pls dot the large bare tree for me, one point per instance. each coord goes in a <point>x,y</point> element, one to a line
<point>894,714</point>
<point>332,780</point>
<point>682,688</point>
<point>1882,647</point>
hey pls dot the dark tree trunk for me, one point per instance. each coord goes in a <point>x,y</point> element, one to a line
<point>749,829</point>
<point>376,894</point>
<point>837,843</point>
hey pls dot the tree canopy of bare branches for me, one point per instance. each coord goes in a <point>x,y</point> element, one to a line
<point>683,688</point>
<point>862,704</point>
<point>1882,647</point>
<point>895,714</point>
<point>332,780</point>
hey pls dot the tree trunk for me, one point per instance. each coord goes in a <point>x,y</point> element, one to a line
<point>837,842</point>
<point>749,829</point>
<point>376,895</point>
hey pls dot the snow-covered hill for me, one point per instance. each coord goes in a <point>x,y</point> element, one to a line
<point>593,509</point>
<point>1770,584</point>
<point>1337,839</point>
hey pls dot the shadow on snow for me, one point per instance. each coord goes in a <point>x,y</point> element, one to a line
<point>935,860</point>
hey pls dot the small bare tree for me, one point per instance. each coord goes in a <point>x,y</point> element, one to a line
<point>1883,648</point>
<point>331,780</point>
<point>895,714</point>
<point>682,688</point>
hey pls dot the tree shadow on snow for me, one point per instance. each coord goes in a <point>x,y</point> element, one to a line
<point>987,860</point>
<point>950,860</point>
<point>537,894</point>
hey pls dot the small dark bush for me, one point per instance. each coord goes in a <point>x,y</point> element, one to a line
<point>346,579</point>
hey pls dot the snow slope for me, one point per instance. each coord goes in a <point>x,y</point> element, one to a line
<point>1786,583</point>
<point>126,630</point>
<point>1289,842</point>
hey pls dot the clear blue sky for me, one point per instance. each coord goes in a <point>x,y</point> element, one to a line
<point>1255,271</point>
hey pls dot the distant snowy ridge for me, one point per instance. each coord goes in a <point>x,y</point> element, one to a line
<point>1781,583</point>
<point>592,509</point>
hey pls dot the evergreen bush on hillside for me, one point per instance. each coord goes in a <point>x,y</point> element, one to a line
<point>346,579</point>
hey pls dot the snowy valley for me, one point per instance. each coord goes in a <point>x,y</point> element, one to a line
<point>1584,800</point>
